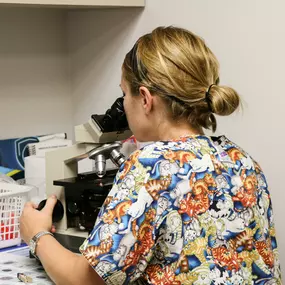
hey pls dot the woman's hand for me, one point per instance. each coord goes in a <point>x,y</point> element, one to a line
<point>33,221</point>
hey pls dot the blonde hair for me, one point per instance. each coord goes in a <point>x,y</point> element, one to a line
<point>176,65</point>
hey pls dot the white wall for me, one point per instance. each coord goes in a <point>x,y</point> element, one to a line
<point>97,42</point>
<point>248,39</point>
<point>34,81</point>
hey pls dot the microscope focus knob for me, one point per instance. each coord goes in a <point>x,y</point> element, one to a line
<point>58,211</point>
<point>73,208</point>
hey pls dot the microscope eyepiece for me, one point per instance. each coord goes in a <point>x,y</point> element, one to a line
<point>114,119</point>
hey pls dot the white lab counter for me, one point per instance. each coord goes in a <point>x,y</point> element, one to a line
<point>17,260</point>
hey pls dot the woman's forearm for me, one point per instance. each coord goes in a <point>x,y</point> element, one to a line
<point>63,266</point>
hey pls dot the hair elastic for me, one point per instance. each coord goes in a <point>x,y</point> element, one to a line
<point>208,99</point>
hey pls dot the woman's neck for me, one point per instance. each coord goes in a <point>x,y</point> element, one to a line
<point>169,131</point>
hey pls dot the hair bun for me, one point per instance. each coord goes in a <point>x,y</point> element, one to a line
<point>224,100</point>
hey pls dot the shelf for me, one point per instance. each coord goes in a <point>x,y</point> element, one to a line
<point>75,3</point>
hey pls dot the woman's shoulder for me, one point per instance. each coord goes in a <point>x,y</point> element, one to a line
<point>194,149</point>
<point>194,146</point>
<point>235,151</point>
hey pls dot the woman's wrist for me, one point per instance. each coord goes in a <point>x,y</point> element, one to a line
<point>43,245</point>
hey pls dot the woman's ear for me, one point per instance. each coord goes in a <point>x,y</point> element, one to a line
<point>146,99</point>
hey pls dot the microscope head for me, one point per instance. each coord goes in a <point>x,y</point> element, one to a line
<point>114,120</point>
<point>110,127</point>
<point>106,133</point>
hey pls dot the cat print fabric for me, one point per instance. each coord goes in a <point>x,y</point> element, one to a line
<point>191,211</point>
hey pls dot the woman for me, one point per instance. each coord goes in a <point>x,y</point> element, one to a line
<point>185,209</point>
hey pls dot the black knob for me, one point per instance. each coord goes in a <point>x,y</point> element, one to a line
<point>58,210</point>
<point>72,208</point>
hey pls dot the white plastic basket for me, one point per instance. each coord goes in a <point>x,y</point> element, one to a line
<point>12,200</point>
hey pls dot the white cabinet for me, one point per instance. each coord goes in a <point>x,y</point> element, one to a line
<point>75,3</point>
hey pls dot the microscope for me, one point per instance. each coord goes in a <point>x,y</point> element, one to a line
<point>80,196</point>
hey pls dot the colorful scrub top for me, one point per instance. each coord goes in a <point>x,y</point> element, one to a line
<point>191,211</point>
